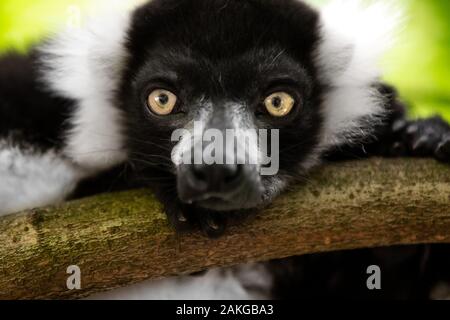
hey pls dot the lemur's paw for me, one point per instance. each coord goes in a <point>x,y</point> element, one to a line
<point>423,138</point>
<point>186,218</point>
<point>178,216</point>
<point>213,224</point>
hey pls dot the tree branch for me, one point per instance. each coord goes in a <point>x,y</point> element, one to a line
<point>119,239</point>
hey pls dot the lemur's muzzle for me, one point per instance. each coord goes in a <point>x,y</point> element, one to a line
<point>219,186</point>
<point>220,171</point>
<point>203,181</point>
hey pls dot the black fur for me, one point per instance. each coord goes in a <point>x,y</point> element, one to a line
<point>30,114</point>
<point>343,275</point>
<point>408,273</point>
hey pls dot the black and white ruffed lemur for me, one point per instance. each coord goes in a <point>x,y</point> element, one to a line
<point>93,109</point>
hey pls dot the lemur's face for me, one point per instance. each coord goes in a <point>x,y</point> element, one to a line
<point>224,66</point>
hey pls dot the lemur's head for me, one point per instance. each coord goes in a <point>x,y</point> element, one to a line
<point>223,66</point>
<point>202,70</point>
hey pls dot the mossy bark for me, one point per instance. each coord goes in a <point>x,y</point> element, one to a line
<point>119,239</point>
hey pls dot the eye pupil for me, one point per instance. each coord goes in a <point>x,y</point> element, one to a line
<point>162,102</point>
<point>279,104</point>
<point>276,102</point>
<point>163,99</point>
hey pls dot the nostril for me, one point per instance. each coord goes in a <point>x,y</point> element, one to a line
<point>233,173</point>
<point>199,173</point>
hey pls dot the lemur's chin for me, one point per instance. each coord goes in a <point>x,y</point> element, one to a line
<point>218,204</point>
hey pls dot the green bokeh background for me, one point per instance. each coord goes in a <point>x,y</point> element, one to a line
<point>419,65</point>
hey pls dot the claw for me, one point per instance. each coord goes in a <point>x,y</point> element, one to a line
<point>181,217</point>
<point>421,146</point>
<point>443,149</point>
<point>399,125</point>
<point>213,225</point>
<point>397,149</point>
<point>412,130</point>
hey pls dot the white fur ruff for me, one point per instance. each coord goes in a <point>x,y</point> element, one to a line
<point>354,39</point>
<point>86,64</point>
<point>248,282</point>
<point>31,179</point>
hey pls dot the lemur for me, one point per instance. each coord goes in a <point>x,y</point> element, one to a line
<point>93,109</point>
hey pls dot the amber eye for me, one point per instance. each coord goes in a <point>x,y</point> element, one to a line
<point>279,104</point>
<point>162,102</point>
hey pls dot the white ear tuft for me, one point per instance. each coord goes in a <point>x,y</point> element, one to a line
<point>85,64</point>
<point>354,38</point>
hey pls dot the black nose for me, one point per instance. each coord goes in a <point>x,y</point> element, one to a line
<point>205,181</point>
<point>217,178</point>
